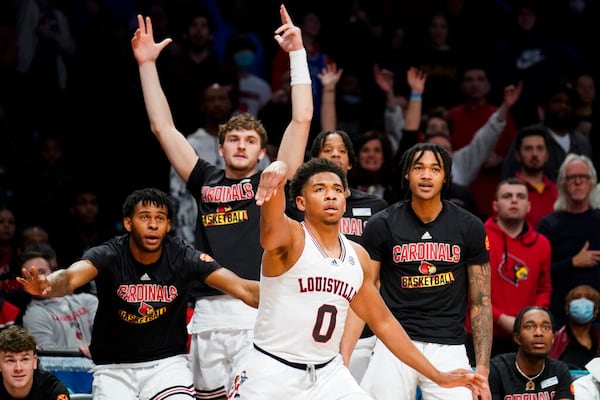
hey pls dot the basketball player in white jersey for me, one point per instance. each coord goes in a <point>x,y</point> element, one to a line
<point>310,275</point>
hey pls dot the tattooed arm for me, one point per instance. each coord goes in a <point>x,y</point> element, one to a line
<point>481,316</point>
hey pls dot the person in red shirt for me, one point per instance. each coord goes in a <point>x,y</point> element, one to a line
<point>519,262</point>
<point>467,118</point>
<point>531,152</point>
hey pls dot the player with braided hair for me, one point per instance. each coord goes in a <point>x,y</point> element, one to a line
<point>429,256</point>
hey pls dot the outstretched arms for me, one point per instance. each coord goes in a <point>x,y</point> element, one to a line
<point>59,283</point>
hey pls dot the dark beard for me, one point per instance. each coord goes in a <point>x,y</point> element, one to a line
<point>531,171</point>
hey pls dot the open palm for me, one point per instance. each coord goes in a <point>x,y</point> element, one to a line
<point>143,45</point>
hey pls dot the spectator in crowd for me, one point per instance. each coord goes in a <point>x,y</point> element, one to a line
<point>374,172</point>
<point>254,91</point>
<point>45,49</point>
<point>529,372</point>
<point>196,67</point>
<point>9,314</point>
<point>440,61</point>
<point>9,252</point>
<point>225,200</point>
<point>584,86</point>
<point>21,376</point>
<point>62,323</point>
<point>578,341</point>
<point>519,262</point>
<point>467,118</point>
<point>523,51</point>
<point>531,152</point>
<point>557,120</point>
<point>88,224</point>
<point>573,231</point>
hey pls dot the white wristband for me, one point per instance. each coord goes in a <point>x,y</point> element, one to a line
<point>299,68</point>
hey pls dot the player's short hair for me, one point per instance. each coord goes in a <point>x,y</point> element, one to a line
<point>311,168</point>
<point>15,339</point>
<point>519,317</point>
<point>243,121</point>
<point>415,153</point>
<point>147,196</point>
<point>319,141</point>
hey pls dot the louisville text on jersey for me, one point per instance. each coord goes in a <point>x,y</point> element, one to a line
<point>326,284</point>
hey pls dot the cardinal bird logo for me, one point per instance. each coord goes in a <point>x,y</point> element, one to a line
<point>145,309</point>
<point>513,269</point>
<point>427,268</point>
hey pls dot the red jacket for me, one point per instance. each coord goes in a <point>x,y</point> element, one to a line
<point>520,271</point>
<point>8,313</point>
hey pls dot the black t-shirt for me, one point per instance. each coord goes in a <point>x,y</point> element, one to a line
<point>506,383</point>
<point>423,274</point>
<point>141,312</point>
<point>46,386</point>
<point>228,221</point>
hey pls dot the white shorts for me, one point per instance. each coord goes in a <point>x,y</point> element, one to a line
<point>388,378</point>
<point>361,355</point>
<point>216,357</point>
<point>167,378</point>
<point>265,378</point>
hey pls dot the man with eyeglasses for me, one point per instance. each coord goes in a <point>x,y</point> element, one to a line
<point>573,231</point>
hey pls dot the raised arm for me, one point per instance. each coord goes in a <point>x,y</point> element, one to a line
<point>329,77</point>
<point>59,283</point>
<point>469,159</point>
<point>293,143</point>
<point>416,81</point>
<point>393,116</point>
<point>180,153</point>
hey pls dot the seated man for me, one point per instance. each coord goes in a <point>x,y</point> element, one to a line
<point>530,373</point>
<point>21,379</point>
<point>60,323</point>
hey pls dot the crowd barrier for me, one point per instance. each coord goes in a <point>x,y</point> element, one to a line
<point>71,367</point>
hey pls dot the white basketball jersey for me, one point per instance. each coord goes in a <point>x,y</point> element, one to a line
<point>302,312</point>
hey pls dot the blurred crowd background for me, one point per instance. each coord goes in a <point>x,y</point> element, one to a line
<point>72,117</point>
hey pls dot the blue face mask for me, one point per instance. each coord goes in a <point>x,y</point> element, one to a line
<point>581,310</point>
<point>244,59</point>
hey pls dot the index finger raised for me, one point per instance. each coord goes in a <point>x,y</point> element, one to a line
<point>285,17</point>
